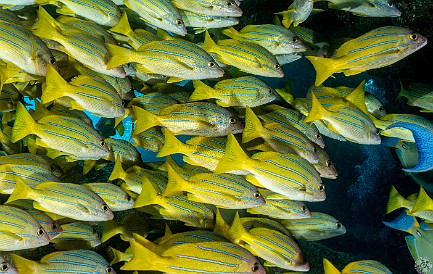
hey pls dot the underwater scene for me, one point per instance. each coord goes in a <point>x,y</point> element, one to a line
<point>216,136</point>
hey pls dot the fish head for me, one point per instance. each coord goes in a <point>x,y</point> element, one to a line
<point>109,270</point>
<point>327,170</point>
<point>292,43</point>
<point>310,155</point>
<point>234,125</point>
<point>208,68</point>
<point>97,150</point>
<point>380,8</point>
<point>7,267</point>
<point>304,267</point>
<point>116,72</point>
<point>41,238</point>
<point>56,170</point>
<point>53,230</point>
<point>253,198</point>
<point>43,59</point>
<point>410,42</point>
<point>102,212</point>
<point>227,7</point>
<point>317,194</point>
<point>174,24</point>
<point>373,137</point>
<point>273,69</point>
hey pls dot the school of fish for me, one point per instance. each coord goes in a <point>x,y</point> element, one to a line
<point>253,158</point>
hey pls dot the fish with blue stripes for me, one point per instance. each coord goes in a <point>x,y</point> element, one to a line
<point>281,138</point>
<point>325,166</point>
<point>198,151</point>
<point>28,159</point>
<point>6,267</point>
<point>114,196</point>
<point>19,230</point>
<point>402,133</point>
<point>195,257</point>
<point>278,249</point>
<point>62,135</point>
<point>176,207</point>
<point>77,235</point>
<point>64,199</point>
<point>246,56</point>
<point>276,39</point>
<point>87,49</point>
<point>102,12</point>
<point>349,121</point>
<point>375,49</point>
<point>279,207</point>
<point>223,190</point>
<point>203,22</point>
<point>419,95</point>
<point>227,8</point>
<point>292,118</point>
<point>176,58</point>
<point>85,92</point>
<point>9,97</point>
<point>24,49</point>
<point>159,13</point>
<point>78,261</point>
<point>197,118</point>
<point>362,267</point>
<point>135,38</point>
<point>287,174</point>
<point>151,139</point>
<point>236,92</point>
<point>298,12</point>
<point>317,227</point>
<point>424,142</point>
<point>369,8</point>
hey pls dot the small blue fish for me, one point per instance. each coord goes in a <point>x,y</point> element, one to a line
<point>424,143</point>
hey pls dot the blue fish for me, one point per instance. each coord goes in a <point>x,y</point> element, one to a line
<point>424,142</point>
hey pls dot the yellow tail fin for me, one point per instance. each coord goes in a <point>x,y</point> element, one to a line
<point>144,120</point>
<point>234,157</point>
<point>209,45</point>
<point>357,98</point>
<point>23,125</point>
<point>147,196</point>
<point>201,91</point>
<point>329,267</point>
<point>21,191</point>
<point>395,200</point>
<point>176,184</point>
<point>231,32</point>
<point>123,26</point>
<point>118,171</point>
<point>144,259</point>
<point>221,227</point>
<point>120,56</point>
<point>253,128</point>
<point>47,27</point>
<point>110,229</point>
<point>317,111</point>
<point>24,265</point>
<point>172,145</point>
<point>423,202</point>
<point>55,87</point>
<point>237,230</point>
<point>120,256</point>
<point>324,67</point>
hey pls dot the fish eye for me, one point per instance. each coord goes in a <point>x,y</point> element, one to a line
<point>414,36</point>
<point>128,198</point>
<point>270,91</point>
<point>4,266</point>
<point>303,208</point>
<point>229,4</point>
<point>391,4</point>
<point>277,66</point>
<point>318,136</point>
<point>372,5</point>
<point>211,64</point>
<point>322,187</point>
<point>52,168</point>
<point>179,22</point>
<point>255,267</point>
<point>315,150</point>
<point>232,120</point>
<point>40,231</point>
<point>257,195</point>
<point>381,108</point>
<point>54,226</point>
<point>52,60</point>
<point>338,225</point>
<point>102,143</point>
<point>109,269</point>
<point>329,163</point>
<point>294,39</point>
<point>105,207</point>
